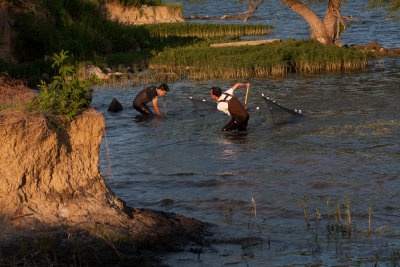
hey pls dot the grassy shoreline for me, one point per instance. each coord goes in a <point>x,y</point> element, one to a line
<point>83,29</point>
<point>270,60</point>
<point>199,61</point>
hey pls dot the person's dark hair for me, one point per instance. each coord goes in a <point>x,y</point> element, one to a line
<point>164,87</point>
<point>216,91</point>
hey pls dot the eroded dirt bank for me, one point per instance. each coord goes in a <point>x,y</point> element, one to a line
<point>51,192</point>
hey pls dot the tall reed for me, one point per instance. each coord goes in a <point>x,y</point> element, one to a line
<point>369,220</point>
<point>269,60</point>
<point>348,213</point>
<point>305,211</point>
<point>205,30</point>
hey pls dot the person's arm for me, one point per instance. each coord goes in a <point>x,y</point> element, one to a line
<point>240,85</point>
<point>155,104</point>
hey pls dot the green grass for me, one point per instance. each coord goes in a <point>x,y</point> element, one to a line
<point>137,3</point>
<point>31,71</point>
<point>172,5</point>
<point>270,60</point>
<point>82,28</point>
<point>206,30</point>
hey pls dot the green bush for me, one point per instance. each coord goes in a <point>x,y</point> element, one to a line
<point>66,94</point>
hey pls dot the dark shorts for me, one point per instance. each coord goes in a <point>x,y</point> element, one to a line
<point>236,123</point>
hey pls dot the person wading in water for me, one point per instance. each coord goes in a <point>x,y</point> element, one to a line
<point>149,94</point>
<point>229,104</point>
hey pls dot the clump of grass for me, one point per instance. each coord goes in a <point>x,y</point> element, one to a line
<point>305,211</point>
<point>106,234</point>
<point>151,78</point>
<point>269,60</point>
<point>31,71</point>
<point>205,30</point>
<point>348,214</point>
<point>14,94</point>
<point>369,129</point>
<point>137,3</point>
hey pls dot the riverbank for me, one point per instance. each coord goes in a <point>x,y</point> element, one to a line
<point>169,51</point>
<point>55,205</point>
<point>274,59</point>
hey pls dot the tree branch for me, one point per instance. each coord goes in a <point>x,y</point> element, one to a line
<point>253,6</point>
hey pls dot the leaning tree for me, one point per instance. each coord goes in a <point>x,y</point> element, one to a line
<point>327,29</point>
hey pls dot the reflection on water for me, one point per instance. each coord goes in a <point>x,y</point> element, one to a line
<point>346,152</point>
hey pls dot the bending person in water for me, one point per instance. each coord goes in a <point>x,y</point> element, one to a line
<point>229,104</point>
<point>149,94</point>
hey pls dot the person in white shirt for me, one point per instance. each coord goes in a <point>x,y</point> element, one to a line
<point>230,105</point>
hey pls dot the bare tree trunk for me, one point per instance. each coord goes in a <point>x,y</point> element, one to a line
<point>331,18</point>
<point>325,31</point>
<point>321,30</point>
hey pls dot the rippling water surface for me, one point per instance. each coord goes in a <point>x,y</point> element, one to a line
<point>344,155</point>
<point>368,26</point>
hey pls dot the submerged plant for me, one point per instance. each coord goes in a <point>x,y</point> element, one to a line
<point>305,210</point>
<point>253,211</point>
<point>369,220</point>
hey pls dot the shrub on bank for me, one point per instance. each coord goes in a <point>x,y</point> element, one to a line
<point>66,94</point>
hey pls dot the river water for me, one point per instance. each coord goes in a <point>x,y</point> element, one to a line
<point>255,188</point>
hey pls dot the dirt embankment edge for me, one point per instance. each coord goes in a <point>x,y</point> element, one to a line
<point>50,183</point>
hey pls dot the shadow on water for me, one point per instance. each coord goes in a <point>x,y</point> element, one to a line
<point>239,137</point>
<point>144,118</point>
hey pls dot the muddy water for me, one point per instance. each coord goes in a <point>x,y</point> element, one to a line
<point>345,155</point>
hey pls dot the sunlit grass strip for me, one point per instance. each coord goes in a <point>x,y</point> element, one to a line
<point>270,60</point>
<point>369,129</point>
<point>205,30</point>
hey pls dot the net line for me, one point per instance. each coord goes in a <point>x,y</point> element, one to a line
<point>281,114</point>
<point>203,105</point>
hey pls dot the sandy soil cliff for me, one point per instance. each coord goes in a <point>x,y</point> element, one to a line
<point>49,174</point>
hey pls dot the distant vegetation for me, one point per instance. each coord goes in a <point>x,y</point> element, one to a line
<point>276,59</point>
<point>137,3</point>
<point>82,28</point>
<point>206,30</point>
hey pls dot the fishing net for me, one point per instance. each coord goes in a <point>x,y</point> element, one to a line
<point>281,114</point>
<point>203,105</point>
